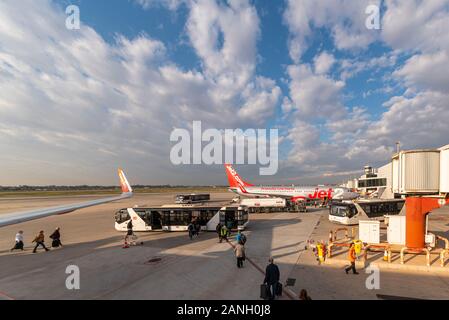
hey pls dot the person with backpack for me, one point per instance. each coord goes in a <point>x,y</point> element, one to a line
<point>56,238</point>
<point>40,239</point>
<point>238,237</point>
<point>19,241</point>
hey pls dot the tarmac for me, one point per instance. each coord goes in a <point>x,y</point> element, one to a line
<point>171,266</point>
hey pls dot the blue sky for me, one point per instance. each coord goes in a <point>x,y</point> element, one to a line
<point>75,104</point>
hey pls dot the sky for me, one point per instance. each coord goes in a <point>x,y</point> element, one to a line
<point>77,104</point>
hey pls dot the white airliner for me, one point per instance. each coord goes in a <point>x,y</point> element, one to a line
<point>18,217</point>
<point>294,193</point>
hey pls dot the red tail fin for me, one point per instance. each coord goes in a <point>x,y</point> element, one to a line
<point>234,178</point>
<point>126,187</point>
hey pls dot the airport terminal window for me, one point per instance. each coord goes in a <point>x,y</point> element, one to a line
<point>372,183</point>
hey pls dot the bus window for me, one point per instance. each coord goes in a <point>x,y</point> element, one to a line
<point>242,217</point>
<point>122,216</point>
<point>339,211</point>
<point>156,220</point>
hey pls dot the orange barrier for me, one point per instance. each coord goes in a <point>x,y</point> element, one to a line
<point>385,247</point>
<point>333,234</point>
<point>335,244</point>
<point>416,251</point>
<point>442,255</point>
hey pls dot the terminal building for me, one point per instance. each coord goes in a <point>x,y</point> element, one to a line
<point>410,172</point>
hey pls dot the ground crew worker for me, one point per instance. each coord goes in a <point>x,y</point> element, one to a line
<point>351,258</point>
<point>358,248</point>
<point>224,233</point>
<point>321,252</point>
<point>40,238</point>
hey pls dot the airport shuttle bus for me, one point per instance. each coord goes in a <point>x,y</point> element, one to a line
<point>191,198</point>
<point>177,218</point>
<point>349,213</point>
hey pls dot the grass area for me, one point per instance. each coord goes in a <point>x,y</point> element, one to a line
<point>180,190</point>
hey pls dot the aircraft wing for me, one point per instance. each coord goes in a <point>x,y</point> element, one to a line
<point>18,217</point>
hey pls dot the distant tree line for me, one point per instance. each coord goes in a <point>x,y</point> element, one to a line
<point>87,187</point>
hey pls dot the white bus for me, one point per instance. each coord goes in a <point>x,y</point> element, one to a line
<point>177,218</point>
<point>191,198</point>
<point>349,213</point>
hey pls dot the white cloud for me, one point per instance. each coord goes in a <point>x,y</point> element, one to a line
<point>345,18</point>
<point>416,25</point>
<point>315,95</point>
<point>323,62</point>
<point>418,118</point>
<point>171,4</point>
<point>72,99</point>
<point>427,71</point>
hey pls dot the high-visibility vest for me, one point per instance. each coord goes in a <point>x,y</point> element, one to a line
<point>358,246</point>
<point>224,231</point>
<point>320,249</point>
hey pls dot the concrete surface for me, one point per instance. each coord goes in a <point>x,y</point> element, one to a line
<point>197,269</point>
<point>329,281</point>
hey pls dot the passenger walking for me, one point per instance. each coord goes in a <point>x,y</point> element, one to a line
<point>272,276</point>
<point>238,237</point>
<point>242,238</point>
<point>190,228</point>
<point>239,251</point>
<point>40,239</point>
<point>56,238</point>
<point>303,295</point>
<point>19,241</point>
<point>129,231</point>
<point>197,229</point>
<point>351,258</point>
<point>218,229</point>
<point>229,227</point>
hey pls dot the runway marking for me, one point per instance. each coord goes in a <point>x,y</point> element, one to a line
<point>255,265</point>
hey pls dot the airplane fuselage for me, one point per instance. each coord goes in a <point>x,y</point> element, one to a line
<point>297,193</point>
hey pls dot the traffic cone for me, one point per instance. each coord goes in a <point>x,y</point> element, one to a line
<point>385,255</point>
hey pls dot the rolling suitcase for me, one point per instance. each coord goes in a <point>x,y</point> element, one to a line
<point>264,292</point>
<point>279,289</point>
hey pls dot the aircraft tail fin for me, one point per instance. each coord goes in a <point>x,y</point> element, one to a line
<point>234,179</point>
<point>126,187</point>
